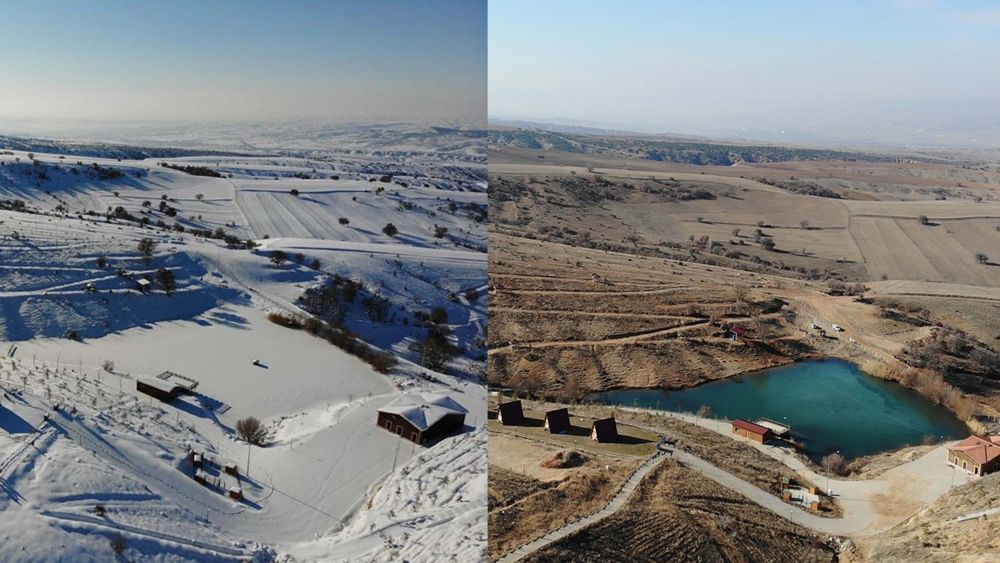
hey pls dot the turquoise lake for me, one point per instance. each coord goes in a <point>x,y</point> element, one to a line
<point>830,404</point>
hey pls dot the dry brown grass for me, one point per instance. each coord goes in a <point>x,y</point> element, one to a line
<point>933,535</point>
<point>929,384</point>
<point>565,459</point>
<point>531,510</point>
<point>677,515</point>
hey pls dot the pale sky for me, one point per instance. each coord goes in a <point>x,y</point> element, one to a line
<point>243,60</point>
<point>732,68</point>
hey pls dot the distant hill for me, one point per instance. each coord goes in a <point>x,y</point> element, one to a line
<point>102,150</point>
<point>696,152</point>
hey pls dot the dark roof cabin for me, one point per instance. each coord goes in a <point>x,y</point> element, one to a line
<point>167,386</point>
<point>604,430</point>
<point>510,413</point>
<point>557,421</point>
<point>420,417</point>
<point>156,387</point>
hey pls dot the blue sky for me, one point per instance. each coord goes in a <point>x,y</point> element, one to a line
<point>227,59</point>
<point>694,66</point>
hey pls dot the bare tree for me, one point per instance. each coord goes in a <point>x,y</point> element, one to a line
<point>835,463</point>
<point>147,247</point>
<point>118,544</point>
<point>251,431</point>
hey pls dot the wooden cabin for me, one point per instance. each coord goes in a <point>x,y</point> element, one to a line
<point>510,413</point>
<point>420,417</point>
<point>604,430</point>
<point>751,430</point>
<point>159,388</point>
<point>557,421</point>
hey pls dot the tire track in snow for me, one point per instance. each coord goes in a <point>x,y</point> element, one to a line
<point>86,519</point>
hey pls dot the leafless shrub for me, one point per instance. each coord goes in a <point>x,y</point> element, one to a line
<point>251,430</point>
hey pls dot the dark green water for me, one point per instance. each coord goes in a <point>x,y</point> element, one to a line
<point>831,405</point>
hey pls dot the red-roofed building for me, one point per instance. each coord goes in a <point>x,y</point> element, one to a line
<point>979,456</point>
<point>735,332</point>
<point>752,431</point>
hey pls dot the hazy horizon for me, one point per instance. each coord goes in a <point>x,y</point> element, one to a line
<point>909,72</point>
<point>121,62</point>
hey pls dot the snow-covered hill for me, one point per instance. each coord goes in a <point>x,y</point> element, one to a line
<point>86,459</point>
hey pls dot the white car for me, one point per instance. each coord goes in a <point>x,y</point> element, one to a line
<point>838,328</point>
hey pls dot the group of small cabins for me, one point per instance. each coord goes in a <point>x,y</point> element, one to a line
<point>978,456</point>
<point>422,417</point>
<point>209,472</point>
<point>557,421</point>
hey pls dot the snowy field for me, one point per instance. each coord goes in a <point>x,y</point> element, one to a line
<point>87,461</point>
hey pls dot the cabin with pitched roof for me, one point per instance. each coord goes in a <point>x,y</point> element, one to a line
<point>734,333</point>
<point>751,430</point>
<point>420,417</point>
<point>604,430</point>
<point>510,413</point>
<point>978,456</point>
<point>557,421</point>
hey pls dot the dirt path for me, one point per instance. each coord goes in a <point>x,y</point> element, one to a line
<point>656,291</point>
<point>614,505</point>
<point>856,319</point>
<point>537,277</point>
<point>869,505</point>
<point>616,340</point>
<point>575,313</point>
<point>644,336</point>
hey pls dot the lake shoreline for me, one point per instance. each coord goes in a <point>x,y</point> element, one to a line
<point>831,404</point>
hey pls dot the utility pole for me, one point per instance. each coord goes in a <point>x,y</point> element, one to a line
<point>249,446</point>
<point>396,455</point>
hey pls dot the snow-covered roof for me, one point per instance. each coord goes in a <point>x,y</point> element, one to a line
<point>159,384</point>
<point>423,410</point>
<point>178,380</point>
<point>143,281</point>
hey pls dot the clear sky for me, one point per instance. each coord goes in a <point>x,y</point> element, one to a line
<point>242,59</point>
<point>716,67</point>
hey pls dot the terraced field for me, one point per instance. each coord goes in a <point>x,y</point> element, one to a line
<point>316,212</point>
<point>636,322</point>
<point>676,515</point>
<point>904,249</point>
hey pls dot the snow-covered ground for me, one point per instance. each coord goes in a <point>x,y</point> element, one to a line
<point>85,458</point>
